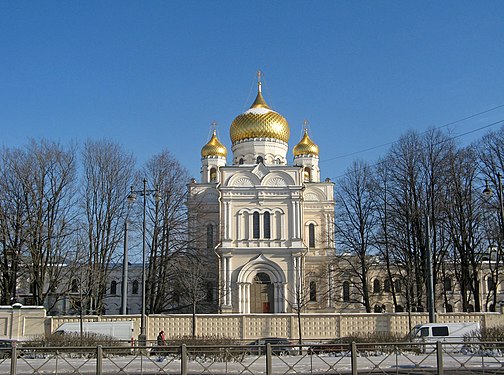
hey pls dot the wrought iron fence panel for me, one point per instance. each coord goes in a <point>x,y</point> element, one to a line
<point>140,360</point>
<point>369,358</point>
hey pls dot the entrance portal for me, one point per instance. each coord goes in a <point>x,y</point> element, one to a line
<point>261,294</point>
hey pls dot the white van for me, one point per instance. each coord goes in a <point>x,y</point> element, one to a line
<point>444,332</point>
<point>121,330</point>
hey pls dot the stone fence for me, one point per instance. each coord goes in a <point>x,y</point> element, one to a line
<point>23,322</point>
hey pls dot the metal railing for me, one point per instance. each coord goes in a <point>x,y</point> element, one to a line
<point>355,358</point>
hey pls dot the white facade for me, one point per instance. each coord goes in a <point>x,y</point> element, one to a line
<point>266,226</point>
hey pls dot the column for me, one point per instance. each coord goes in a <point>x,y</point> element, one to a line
<point>279,297</point>
<point>298,220</point>
<point>283,226</point>
<point>230,221</point>
<point>224,219</point>
<point>241,298</point>
<point>247,298</point>
<point>330,286</point>
<point>228,281</point>
<point>275,298</point>
<point>293,221</point>
<point>284,297</point>
<point>238,226</point>
<point>224,281</point>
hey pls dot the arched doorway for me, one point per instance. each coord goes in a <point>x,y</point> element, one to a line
<point>261,287</point>
<point>261,294</point>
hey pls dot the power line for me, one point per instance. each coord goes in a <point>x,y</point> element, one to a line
<point>445,140</point>
<point>438,127</point>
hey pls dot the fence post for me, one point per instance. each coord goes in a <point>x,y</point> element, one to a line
<point>353,359</point>
<point>99,363</point>
<point>13,363</point>
<point>183,359</point>
<point>439,355</point>
<point>269,365</point>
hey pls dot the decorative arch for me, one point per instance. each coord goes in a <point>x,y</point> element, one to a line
<point>314,194</point>
<point>276,178</point>
<point>275,288</point>
<point>261,264</point>
<point>243,179</point>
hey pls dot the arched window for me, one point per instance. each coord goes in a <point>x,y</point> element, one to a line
<point>313,291</point>
<point>376,286</point>
<point>75,286</point>
<point>135,287</point>
<point>213,175</point>
<point>209,236</point>
<point>449,308</point>
<point>311,235</point>
<point>255,225</point>
<point>387,285</point>
<point>346,291</point>
<point>113,287</point>
<point>448,284</point>
<point>267,225</point>
<point>378,309</point>
<point>307,174</point>
<point>490,283</point>
<point>260,159</point>
<point>240,161</point>
<point>398,287</point>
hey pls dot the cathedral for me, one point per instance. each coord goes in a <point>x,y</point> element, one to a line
<point>263,225</point>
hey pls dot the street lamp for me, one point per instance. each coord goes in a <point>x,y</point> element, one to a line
<point>142,337</point>
<point>124,293</point>
<point>487,192</point>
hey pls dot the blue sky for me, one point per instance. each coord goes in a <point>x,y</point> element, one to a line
<point>153,75</point>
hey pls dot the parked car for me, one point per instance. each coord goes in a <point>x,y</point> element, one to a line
<point>279,346</point>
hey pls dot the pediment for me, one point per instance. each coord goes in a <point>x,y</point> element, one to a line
<point>260,170</point>
<point>314,195</point>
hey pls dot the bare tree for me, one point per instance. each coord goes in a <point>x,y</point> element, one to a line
<point>42,181</point>
<point>12,222</point>
<point>384,238</point>
<point>355,224</point>
<point>107,177</point>
<point>491,161</point>
<point>167,229</point>
<point>463,225</point>
<point>192,285</point>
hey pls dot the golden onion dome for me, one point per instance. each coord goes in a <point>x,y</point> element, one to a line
<point>305,146</point>
<point>260,121</point>
<point>213,147</point>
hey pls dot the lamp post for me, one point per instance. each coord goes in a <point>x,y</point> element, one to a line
<point>142,337</point>
<point>124,296</point>
<point>487,192</point>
